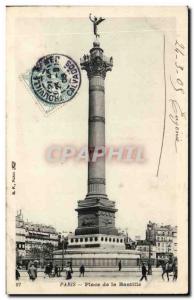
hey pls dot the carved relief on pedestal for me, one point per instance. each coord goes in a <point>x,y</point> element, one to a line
<point>106,218</point>
<point>88,220</point>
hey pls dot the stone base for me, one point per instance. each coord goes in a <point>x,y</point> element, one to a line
<point>96,230</point>
<point>97,251</point>
<point>97,259</point>
<point>97,241</point>
<point>96,215</point>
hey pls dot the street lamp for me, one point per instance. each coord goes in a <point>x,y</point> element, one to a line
<point>149,260</point>
<point>64,248</point>
<point>168,249</point>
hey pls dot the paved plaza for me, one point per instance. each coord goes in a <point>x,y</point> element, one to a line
<point>133,275</point>
<point>101,282</point>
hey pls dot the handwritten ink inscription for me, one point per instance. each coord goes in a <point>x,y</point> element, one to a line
<point>177,114</point>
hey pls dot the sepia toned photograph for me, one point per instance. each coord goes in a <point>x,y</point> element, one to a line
<point>97,150</point>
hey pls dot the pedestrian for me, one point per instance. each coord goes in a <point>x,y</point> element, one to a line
<point>51,268</point>
<point>64,269</point>
<point>57,273</point>
<point>70,265</point>
<point>17,274</point>
<point>120,265</point>
<point>82,270</point>
<point>175,272</point>
<point>47,271</point>
<point>68,273</point>
<point>29,264</point>
<point>144,272</point>
<point>149,268</point>
<point>32,272</point>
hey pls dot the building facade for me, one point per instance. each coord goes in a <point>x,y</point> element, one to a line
<point>164,237</point>
<point>40,237</point>
<point>20,236</point>
<point>146,249</point>
<point>34,240</point>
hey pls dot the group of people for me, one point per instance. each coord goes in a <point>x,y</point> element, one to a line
<point>144,270</point>
<point>31,270</point>
<point>167,267</point>
<point>67,269</point>
<point>55,271</point>
<point>51,271</point>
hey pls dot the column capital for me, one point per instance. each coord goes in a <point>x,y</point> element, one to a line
<point>96,63</point>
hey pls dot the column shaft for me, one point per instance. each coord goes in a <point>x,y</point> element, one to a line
<point>96,136</point>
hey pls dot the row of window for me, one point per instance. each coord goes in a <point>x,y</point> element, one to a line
<point>30,240</point>
<point>158,238</point>
<point>164,244</point>
<point>168,233</point>
<point>21,246</point>
<point>95,239</point>
<point>143,249</point>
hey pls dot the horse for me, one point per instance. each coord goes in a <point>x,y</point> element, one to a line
<point>168,268</point>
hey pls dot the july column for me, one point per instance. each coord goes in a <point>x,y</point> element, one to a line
<point>96,65</point>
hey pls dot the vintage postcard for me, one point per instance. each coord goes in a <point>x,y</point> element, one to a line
<point>97,150</point>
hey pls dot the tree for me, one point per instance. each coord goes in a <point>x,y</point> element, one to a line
<point>47,250</point>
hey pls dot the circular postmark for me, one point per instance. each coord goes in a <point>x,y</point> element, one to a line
<point>55,78</point>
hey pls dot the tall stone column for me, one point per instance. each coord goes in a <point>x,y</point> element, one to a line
<point>96,212</point>
<point>96,66</point>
